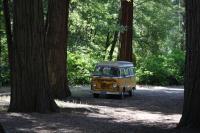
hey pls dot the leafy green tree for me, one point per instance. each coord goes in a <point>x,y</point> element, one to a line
<point>93,32</point>
<point>4,67</point>
<point>159,41</point>
<point>9,37</point>
<point>94,28</point>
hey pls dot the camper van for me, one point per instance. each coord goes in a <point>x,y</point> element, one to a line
<point>117,78</point>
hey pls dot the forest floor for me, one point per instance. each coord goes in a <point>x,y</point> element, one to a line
<point>152,109</point>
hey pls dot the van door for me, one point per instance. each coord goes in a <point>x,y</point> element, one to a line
<point>122,78</point>
<point>128,79</point>
<point>132,77</point>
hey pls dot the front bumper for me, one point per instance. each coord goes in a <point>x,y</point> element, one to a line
<point>106,92</point>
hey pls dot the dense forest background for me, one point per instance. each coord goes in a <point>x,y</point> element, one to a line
<point>158,40</point>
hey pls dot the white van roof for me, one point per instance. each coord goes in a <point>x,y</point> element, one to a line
<point>116,64</point>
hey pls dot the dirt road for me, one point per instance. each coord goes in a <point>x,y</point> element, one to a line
<point>152,109</point>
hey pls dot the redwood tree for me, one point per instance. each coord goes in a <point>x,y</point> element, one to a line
<point>125,50</point>
<point>191,108</point>
<point>56,41</point>
<point>30,86</point>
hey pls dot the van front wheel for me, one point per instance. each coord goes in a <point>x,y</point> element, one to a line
<point>130,92</point>
<point>95,95</point>
<point>134,88</point>
<point>121,95</point>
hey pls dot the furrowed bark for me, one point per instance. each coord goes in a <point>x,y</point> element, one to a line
<point>191,109</point>
<point>56,46</point>
<point>126,36</point>
<point>30,86</point>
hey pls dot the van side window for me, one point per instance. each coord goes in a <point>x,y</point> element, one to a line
<point>114,72</point>
<point>131,71</point>
<point>122,73</point>
<point>127,72</point>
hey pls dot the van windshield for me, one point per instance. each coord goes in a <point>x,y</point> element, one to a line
<point>106,71</point>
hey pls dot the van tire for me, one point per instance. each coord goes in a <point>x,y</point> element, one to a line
<point>95,95</point>
<point>130,93</point>
<point>134,88</point>
<point>121,96</point>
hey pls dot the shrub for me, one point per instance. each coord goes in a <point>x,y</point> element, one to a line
<point>161,70</point>
<point>80,66</point>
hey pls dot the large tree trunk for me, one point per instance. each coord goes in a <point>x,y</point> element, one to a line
<point>6,12</point>
<point>56,41</point>
<point>191,108</point>
<point>30,86</point>
<point>125,50</point>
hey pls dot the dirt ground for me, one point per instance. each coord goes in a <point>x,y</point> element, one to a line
<point>152,109</point>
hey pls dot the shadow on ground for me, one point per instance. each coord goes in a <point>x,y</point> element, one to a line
<point>150,110</point>
<point>76,123</point>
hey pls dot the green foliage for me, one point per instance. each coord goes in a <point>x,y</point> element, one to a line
<point>80,67</point>
<point>4,68</point>
<point>158,27</point>
<point>158,39</point>
<point>161,70</point>
<point>89,23</point>
<point>159,42</point>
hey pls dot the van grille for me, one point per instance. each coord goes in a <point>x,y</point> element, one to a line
<point>106,86</point>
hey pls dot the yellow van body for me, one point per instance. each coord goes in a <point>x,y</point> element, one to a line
<point>113,78</point>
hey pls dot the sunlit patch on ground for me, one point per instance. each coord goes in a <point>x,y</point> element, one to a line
<point>122,114</point>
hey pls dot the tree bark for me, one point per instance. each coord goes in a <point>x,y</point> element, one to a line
<point>191,108</point>
<point>125,50</point>
<point>56,41</point>
<point>30,86</point>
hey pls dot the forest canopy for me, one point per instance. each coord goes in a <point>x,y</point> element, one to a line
<point>158,40</point>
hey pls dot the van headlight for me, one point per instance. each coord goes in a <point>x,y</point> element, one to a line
<point>94,85</point>
<point>114,85</point>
